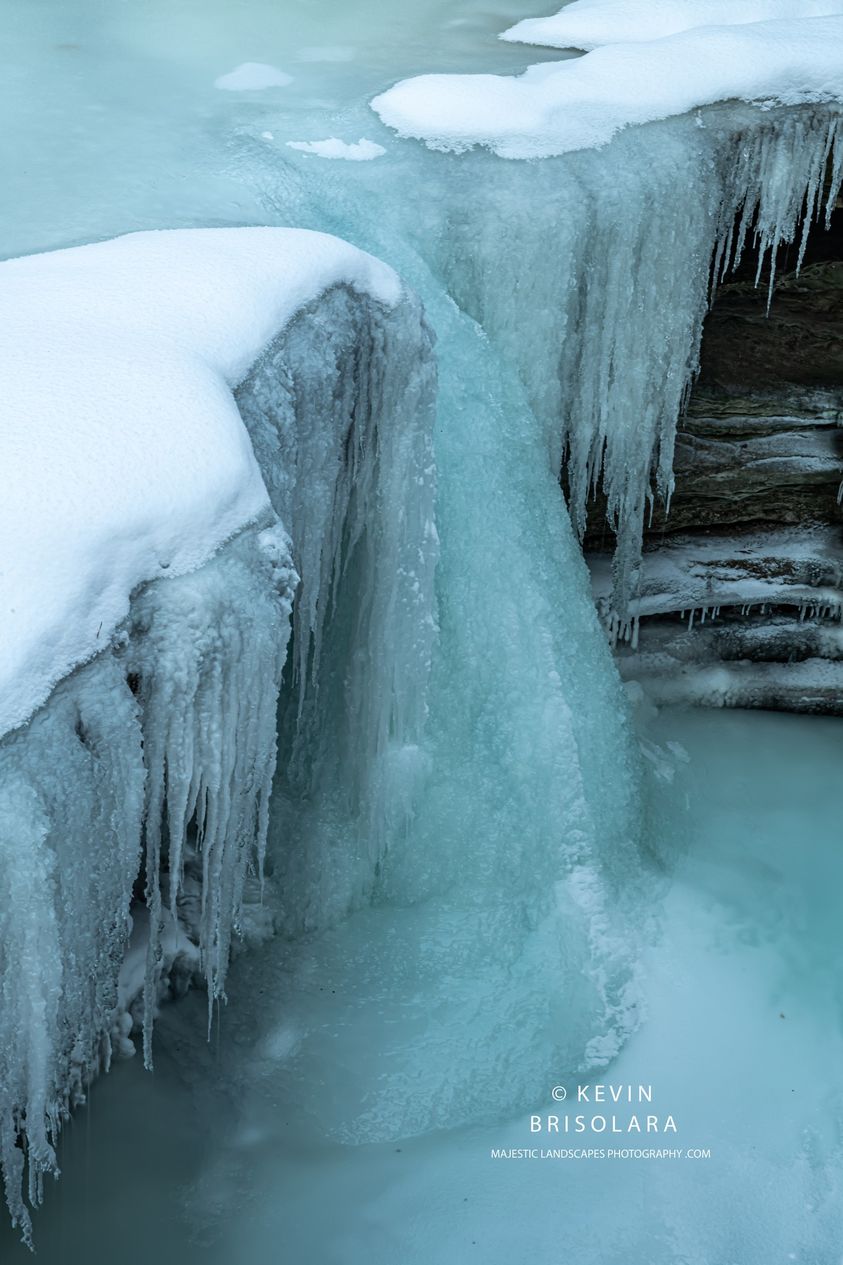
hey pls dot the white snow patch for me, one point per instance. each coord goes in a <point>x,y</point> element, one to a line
<point>556,107</point>
<point>123,454</point>
<point>592,23</point>
<point>253,76</point>
<point>362,151</point>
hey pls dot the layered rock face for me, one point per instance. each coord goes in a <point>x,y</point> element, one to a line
<point>741,587</point>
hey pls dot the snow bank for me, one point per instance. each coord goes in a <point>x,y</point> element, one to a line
<point>123,452</point>
<point>591,23</point>
<point>579,104</point>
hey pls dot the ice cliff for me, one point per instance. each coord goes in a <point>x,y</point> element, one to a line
<point>139,688</point>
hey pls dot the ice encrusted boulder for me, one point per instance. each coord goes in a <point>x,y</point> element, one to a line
<point>192,423</point>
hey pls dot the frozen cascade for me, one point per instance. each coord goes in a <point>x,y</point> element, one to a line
<point>508,889</point>
<point>610,259</point>
<point>364,621</point>
<point>164,746</point>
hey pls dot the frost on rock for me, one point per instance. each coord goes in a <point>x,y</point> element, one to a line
<point>151,766</point>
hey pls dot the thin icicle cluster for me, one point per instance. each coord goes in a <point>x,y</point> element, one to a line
<point>766,186</point>
<point>173,725</point>
<point>205,656</point>
<point>609,264</point>
<point>782,181</point>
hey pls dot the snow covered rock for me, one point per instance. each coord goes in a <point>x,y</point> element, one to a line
<point>194,420</point>
<point>555,107</point>
<point>130,460</point>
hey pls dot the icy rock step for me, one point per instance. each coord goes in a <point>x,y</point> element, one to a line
<point>696,577</point>
<point>814,686</point>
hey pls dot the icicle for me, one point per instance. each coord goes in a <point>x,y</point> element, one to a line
<point>207,652</point>
<point>71,795</point>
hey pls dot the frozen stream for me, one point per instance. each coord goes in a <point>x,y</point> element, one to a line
<point>354,1087</point>
<point>222,1155</point>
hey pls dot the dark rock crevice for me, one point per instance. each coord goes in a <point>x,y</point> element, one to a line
<point>741,586</point>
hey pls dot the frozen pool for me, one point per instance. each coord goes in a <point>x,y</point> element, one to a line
<point>225,1153</point>
<point>114,122</point>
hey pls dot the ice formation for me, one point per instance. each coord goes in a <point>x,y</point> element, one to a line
<point>157,756</point>
<point>489,854</point>
<point>616,307</point>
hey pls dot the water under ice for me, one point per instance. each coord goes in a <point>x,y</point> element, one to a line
<point>490,945</point>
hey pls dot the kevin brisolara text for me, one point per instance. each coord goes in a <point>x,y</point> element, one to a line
<point>603,1124</point>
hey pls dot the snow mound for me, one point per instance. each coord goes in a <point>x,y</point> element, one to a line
<point>362,151</point>
<point>123,451</point>
<point>253,76</point>
<point>591,23</point>
<point>580,104</point>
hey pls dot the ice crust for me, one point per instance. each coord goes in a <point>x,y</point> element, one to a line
<point>553,108</point>
<point>157,756</point>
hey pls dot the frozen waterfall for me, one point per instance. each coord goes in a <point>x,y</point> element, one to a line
<point>300,653</point>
